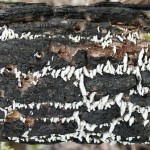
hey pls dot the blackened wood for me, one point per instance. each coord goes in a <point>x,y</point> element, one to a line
<point>104,99</point>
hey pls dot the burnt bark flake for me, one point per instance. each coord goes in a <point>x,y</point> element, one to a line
<point>74,73</point>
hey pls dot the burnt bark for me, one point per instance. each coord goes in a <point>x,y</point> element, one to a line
<point>74,73</point>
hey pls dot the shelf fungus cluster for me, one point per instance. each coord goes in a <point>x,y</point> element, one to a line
<point>87,88</point>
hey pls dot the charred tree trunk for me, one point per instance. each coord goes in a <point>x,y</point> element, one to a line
<point>74,73</point>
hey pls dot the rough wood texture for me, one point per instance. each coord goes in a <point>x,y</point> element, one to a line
<point>74,73</point>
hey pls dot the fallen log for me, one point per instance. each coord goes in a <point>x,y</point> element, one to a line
<point>74,73</point>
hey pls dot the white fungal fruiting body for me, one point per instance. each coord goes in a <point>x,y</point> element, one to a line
<point>104,103</point>
<point>72,69</point>
<point>38,106</point>
<point>85,71</point>
<point>127,117</point>
<point>131,121</point>
<point>109,68</point>
<point>119,69</point>
<point>92,96</point>
<point>53,73</point>
<point>37,55</point>
<point>123,107</point>
<point>118,99</point>
<point>120,38</point>
<point>141,54</point>
<point>25,134</point>
<point>9,34</point>
<point>75,39</point>
<point>99,69</point>
<point>114,49</point>
<point>44,70</point>
<point>81,85</point>
<point>125,62</point>
<point>145,114</point>
<point>145,122</point>
<point>5,112</point>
